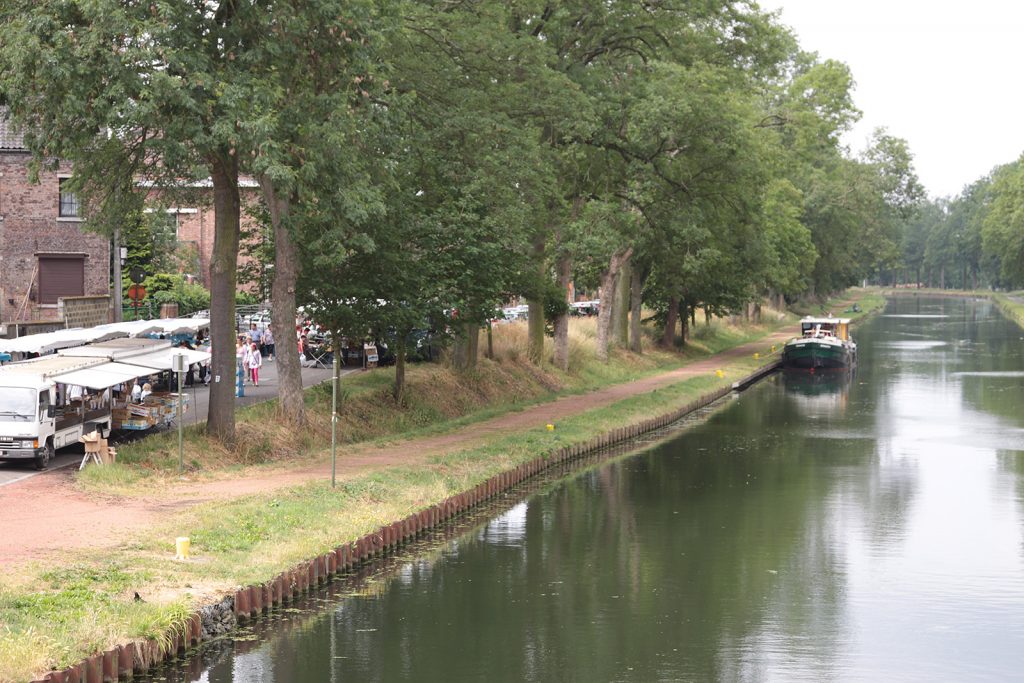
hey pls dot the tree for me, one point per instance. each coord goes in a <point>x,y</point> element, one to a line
<point>131,91</point>
<point>309,85</point>
<point>1003,227</point>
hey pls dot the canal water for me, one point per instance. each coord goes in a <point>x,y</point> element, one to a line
<point>815,528</point>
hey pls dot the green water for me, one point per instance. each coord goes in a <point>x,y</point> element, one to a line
<point>815,528</point>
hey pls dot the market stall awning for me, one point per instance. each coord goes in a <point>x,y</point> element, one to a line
<point>164,358</point>
<point>103,376</point>
<point>46,342</point>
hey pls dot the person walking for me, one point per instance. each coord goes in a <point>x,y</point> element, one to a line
<point>268,343</point>
<point>255,363</point>
<point>247,363</point>
<point>256,335</point>
<point>240,353</point>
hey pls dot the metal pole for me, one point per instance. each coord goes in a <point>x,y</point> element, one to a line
<point>118,297</point>
<point>334,410</point>
<point>180,363</point>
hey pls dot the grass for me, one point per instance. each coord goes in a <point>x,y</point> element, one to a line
<point>1011,304</point>
<point>55,615</point>
<point>439,400</point>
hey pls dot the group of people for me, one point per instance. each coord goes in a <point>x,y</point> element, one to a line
<point>140,392</point>
<point>250,350</point>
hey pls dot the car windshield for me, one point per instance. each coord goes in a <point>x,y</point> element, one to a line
<point>17,404</point>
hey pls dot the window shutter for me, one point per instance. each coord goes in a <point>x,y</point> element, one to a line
<point>60,276</point>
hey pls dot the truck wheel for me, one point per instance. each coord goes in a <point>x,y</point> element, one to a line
<point>44,459</point>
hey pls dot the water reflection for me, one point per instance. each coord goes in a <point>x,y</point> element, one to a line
<point>843,526</point>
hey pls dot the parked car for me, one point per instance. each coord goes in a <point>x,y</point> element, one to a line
<point>261,319</point>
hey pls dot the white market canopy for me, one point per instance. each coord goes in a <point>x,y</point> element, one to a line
<point>163,359</point>
<point>103,376</point>
<point>47,342</point>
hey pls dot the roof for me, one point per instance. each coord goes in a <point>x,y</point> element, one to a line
<point>9,137</point>
<point>48,366</point>
<point>62,339</point>
<point>163,359</point>
<point>58,339</point>
<point>116,349</point>
<point>103,376</point>
<point>825,321</point>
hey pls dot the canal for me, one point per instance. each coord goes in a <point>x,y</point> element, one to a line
<point>825,527</point>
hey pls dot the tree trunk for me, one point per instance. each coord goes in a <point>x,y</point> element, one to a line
<point>290,404</point>
<point>561,323</point>
<point>668,335</point>
<point>535,324</point>
<point>460,351</point>
<point>467,347</point>
<point>942,277</point>
<point>563,272</point>
<point>604,318</point>
<point>472,345</point>
<point>684,319</point>
<point>620,314</point>
<point>220,421</point>
<point>490,341</point>
<point>636,291</point>
<point>398,391</point>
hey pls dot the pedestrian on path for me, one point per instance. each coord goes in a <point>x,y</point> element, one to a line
<point>255,363</point>
<point>256,335</point>
<point>268,343</point>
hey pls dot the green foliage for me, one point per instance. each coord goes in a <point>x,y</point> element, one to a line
<point>1003,225</point>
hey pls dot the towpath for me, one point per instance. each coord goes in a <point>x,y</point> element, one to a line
<point>47,513</point>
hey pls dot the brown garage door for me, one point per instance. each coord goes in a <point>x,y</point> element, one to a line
<point>60,276</point>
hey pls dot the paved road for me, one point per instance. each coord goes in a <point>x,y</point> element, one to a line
<point>200,400</point>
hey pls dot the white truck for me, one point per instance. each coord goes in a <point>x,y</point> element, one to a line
<point>49,402</point>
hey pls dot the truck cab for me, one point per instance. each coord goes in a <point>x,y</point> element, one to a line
<point>27,419</point>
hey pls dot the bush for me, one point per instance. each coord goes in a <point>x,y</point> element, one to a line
<point>165,288</point>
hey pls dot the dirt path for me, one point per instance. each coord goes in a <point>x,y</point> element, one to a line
<point>47,514</point>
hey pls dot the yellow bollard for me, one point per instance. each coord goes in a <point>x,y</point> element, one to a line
<point>773,348</point>
<point>757,356</point>
<point>719,374</point>
<point>551,427</point>
<point>181,547</point>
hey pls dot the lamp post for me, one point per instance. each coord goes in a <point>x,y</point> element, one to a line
<point>179,367</point>
<point>334,408</point>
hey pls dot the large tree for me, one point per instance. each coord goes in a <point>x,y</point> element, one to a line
<point>140,91</point>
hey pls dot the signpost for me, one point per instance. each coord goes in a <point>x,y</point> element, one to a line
<point>179,367</point>
<point>334,412</point>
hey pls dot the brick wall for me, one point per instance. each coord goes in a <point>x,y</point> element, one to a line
<point>29,226</point>
<point>195,228</point>
<point>84,311</point>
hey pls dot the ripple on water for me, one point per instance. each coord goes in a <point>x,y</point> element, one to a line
<point>922,345</point>
<point>926,316</point>
<point>991,373</point>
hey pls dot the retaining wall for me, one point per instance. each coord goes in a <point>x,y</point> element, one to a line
<point>249,602</point>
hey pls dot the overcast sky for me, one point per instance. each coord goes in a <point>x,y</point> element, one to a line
<point>945,75</point>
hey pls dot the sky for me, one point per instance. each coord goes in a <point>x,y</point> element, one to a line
<point>944,75</point>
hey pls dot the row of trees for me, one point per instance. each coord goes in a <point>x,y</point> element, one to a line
<point>420,160</point>
<point>974,240</point>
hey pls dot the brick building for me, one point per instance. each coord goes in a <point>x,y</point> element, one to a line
<point>193,226</point>
<point>45,254</point>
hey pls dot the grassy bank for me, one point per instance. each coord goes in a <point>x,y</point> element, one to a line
<point>53,616</point>
<point>439,399</point>
<point>1011,304</point>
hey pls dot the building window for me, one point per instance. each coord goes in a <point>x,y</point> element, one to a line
<point>59,276</point>
<point>68,201</point>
